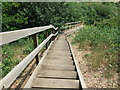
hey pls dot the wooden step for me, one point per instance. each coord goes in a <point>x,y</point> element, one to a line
<point>59,51</point>
<point>57,48</point>
<point>59,54</point>
<point>61,41</point>
<point>60,44</point>
<point>60,47</point>
<point>58,67</point>
<point>58,74</point>
<point>58,57</point>
<point>55,83</point>
<point>59,62</point>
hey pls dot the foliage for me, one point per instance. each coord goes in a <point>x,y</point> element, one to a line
<point>8,60</point>
<point>14,52</point>
<point>101,37</point>
<point>20,15</point>
<point>103,43</point>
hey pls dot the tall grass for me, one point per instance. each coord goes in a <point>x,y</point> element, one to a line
<point>104,47</point>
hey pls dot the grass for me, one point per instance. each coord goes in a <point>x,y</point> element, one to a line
<point>16,51</point>
<point>104,47</point>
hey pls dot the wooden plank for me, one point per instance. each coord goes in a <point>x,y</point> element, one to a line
<point>58,67</point>
<point>13,74</point>
<point>11,36</point>
<point>73,22</point>
<point>59,62</point>
<point>58,57</point>
<point>57,48</point>
<point>63,59</point>
<point>57,74</point>
<point>60,47</point>
<point>55,83</point>
<point>59,52</point>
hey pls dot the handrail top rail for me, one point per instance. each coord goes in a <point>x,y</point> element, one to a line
<point>28,29</point>
<point>11,36</point>
<point>73,22</point>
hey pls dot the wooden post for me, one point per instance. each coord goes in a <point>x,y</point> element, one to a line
<point>51,33</point>
<point>46,35</point>
<point>35,40</point>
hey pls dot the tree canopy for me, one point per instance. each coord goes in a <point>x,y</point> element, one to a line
<point>19,15</point>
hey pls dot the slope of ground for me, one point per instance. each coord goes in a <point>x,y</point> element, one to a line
<point>93,78</point>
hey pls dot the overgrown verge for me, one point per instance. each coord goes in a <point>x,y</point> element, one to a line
<point>104,47</point>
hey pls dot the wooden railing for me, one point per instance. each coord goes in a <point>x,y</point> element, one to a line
<point>11,36</point>
<point>71,25</point>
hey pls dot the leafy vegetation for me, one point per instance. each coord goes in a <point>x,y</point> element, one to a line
<point>101,37</point>
<point>13,53</point>
<point>20,15</point>
<point>103,44</point>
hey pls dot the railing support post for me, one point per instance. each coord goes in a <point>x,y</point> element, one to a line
<point>52,37</point>
<point>35,40</point>
<point>46,35</point>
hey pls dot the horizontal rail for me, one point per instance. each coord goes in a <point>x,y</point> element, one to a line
<point>11,36</point>
<point>73,22</point>
<point>13,74</point>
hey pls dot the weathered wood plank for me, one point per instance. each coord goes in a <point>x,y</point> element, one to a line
<point>58,57</point>
<point>58,74</point>
<point>59,62</point>
<point>55,83</point>
<point>58,67</point>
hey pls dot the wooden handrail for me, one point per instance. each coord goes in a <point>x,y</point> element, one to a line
<point>15,72</point>
<point>70,25</point>
<point>73,23</point>
<point>11,36</point>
